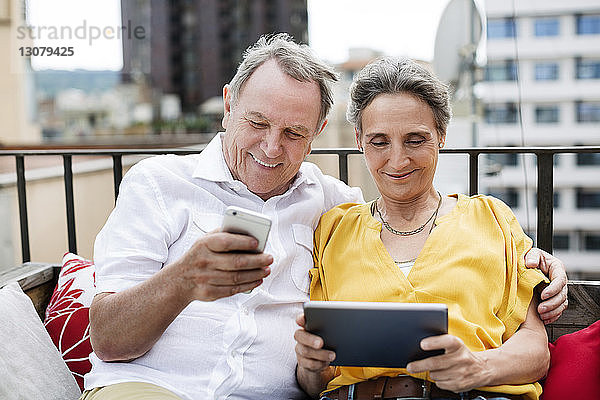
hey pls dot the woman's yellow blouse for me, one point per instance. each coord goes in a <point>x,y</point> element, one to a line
<point>473,261</point>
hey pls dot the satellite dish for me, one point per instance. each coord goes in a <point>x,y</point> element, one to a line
<point>457,38</point>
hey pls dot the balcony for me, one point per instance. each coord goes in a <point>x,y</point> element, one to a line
<point>544,176</point>
<point>38,279</point>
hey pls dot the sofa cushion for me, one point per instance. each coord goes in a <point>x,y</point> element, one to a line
<point>574,366</point>
<point>31,366</point>
<point>67,315</point>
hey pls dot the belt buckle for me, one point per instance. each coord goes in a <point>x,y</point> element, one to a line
<point>426,385</point>
<point>351,391</point>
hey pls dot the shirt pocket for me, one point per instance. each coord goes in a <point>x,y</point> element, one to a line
<point>303,259</point>
<point>201,224</point>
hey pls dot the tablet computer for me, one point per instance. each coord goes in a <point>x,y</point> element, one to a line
<point>369,334</point>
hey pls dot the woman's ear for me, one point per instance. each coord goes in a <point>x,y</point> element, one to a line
<point>357,136</point>
<point>442,142</point>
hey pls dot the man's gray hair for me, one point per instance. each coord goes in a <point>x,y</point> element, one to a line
<point>296,60</point>
<point>392,75</point>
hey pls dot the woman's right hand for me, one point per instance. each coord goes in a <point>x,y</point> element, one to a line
<point>314,370</point>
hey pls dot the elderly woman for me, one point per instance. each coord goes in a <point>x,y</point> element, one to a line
<point>419,246</point>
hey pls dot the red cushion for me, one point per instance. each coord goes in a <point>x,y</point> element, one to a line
<point>67,317</point>
<point>574,366</point>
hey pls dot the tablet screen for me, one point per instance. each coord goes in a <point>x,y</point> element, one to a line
<point>371,334</point>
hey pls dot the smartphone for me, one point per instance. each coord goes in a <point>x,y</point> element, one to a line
<point>246,222</point>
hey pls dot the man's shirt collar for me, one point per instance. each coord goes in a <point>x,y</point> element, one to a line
<point>211,162</point>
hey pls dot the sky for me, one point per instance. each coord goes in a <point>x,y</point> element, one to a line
<point>396,27</point>
<point>89,53</point>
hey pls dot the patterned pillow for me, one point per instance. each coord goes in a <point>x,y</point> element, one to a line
<point>574,366</point>
<point>67,316</point>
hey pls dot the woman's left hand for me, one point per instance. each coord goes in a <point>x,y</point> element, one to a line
<point>457,370</point>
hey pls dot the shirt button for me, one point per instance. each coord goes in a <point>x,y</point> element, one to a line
<point>245,310</point>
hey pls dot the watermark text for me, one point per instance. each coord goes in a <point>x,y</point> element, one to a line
<point>81,31</point>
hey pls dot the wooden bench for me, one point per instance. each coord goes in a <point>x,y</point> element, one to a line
<point>38,281</point>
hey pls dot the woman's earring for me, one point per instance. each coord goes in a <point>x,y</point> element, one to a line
<point>441,144</point>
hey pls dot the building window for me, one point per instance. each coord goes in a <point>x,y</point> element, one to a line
<point>546,27</point>
<point>587,69</point>
<point>546,71</point>
<point>556,160</point>
<point>501,28</point>
<point>588,198</point>
<point>547,114</point>
<point>505,159</point>
<point>560,241</point>
<point>591,241</point>
<point>501,71</point>
<point>501,113</point>
<point>508,195</point>
<point>587,111</point>
<point>588,159</point>
<point>588,24</point>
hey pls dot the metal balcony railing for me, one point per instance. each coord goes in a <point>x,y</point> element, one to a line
<point>544,156</point>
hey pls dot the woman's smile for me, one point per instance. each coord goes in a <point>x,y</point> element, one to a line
<point>400,175</point>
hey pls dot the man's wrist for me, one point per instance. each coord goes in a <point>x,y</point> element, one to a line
<point>173,280</point>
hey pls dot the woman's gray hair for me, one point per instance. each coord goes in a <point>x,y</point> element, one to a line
<point>398,75</point>
<point>296,60</point>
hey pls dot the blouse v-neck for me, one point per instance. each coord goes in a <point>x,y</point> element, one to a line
<point>384,255</point>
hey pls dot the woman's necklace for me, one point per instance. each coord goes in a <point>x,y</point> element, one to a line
<point>414,231</point>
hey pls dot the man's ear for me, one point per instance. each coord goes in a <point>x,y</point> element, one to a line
<point>322,127</point>
<point>309,149</point>
<point>226,106</point>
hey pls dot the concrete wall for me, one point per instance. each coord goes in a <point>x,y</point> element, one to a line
<point>48,240</point>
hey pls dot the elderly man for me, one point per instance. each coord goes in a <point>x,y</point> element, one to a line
<point>171,318</point>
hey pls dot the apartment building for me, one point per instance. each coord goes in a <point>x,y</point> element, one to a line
<point>542,88</point>
<point>194,47</point>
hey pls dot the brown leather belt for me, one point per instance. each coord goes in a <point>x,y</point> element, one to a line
<point>403,386</point>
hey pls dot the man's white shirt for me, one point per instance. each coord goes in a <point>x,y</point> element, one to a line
<point>240,347</point>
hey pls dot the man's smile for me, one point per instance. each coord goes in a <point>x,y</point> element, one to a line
<point>264,164</point>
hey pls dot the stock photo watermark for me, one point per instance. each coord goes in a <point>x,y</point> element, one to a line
<point>80,40</point>
<point>90,33</point>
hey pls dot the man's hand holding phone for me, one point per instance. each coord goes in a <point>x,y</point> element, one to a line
<point>245,222</point>
<point>226,262</point>
<point>238,220</point>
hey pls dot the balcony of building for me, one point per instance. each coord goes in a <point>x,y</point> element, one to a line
<point>56,200</point>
